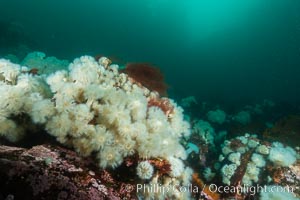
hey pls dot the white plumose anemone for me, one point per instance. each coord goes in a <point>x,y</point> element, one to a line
<point>144,170</point>
<point>282,156</point>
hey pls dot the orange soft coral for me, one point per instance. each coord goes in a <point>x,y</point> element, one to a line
<point>163,103</point>
<point>206,192</point>
<point>147,75</point>
<point>162,166</point>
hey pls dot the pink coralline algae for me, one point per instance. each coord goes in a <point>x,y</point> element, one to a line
<point>51,172</point>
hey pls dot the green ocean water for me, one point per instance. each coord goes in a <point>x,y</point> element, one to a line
<point>232,68</point>
<point>220,51</point>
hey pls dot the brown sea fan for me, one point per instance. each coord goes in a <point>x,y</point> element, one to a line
<point>147,75</point>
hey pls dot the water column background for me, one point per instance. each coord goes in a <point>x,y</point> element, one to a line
<point>225,52</point>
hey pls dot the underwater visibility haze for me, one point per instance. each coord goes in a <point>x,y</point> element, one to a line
<point>221,51</point>
<point>171,93</point>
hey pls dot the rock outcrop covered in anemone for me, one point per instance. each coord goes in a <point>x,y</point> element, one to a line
<point>93,108</point>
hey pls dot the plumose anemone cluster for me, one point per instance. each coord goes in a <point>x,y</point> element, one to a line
<point>92,107</point>
<point>245,160</point>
